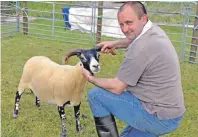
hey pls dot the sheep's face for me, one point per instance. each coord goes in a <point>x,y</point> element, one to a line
<point>90,60</point>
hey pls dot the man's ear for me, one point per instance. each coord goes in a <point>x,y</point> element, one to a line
<point>144,19</point>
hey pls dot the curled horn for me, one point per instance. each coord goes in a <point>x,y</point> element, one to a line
<point>69,54</point>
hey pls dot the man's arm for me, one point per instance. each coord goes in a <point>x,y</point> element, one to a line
<point>113,85</point>
<point>109,46</point>
<point>122,43</point>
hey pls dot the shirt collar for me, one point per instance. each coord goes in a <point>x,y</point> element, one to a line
<point>145,29</point>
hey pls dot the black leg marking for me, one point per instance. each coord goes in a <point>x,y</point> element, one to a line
<point>63,120</point>
<point>77,117</point>
<point>37,102</point>
<point>16,107</point>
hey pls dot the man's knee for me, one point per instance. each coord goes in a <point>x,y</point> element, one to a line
<point>94,92</point>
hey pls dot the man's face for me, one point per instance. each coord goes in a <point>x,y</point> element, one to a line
<point>130,24</point>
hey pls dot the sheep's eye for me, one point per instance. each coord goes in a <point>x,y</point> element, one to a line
<point>83,59</point>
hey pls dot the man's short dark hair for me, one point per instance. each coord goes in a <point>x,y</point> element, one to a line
<point>137,6</point>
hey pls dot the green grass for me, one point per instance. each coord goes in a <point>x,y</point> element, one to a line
<point>33,122</point>
<point>45,121</point>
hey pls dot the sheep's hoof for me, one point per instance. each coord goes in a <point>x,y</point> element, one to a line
<point>79,130</point>
<point>63,135</point>
<point>15,114</point>
<point>38,105</point>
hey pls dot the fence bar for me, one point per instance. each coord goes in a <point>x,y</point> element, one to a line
<point>8,32</point>
<point>194,41</point>
<point>8,28</point>
<point>184,32</point>
<point>53,20</point>
<point>72,42</point>
<point>99,22</point>
<point>92,21</point>
<point>17,16</point>
<point>25,18</point>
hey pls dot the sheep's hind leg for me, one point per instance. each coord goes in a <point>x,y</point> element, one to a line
<point>37,102</point>
<point>16,107</point>
<point>63,120</point>
<point>77,117</point>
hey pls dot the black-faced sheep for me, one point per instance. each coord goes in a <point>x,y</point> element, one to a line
<point>59,84</point>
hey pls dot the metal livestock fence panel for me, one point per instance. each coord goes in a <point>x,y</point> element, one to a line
<point>92,22</point>
<point>9,19</point>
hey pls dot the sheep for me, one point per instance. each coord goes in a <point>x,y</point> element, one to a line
<point>59,84</point>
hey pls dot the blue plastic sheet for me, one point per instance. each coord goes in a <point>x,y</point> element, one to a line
<point>65,12</point>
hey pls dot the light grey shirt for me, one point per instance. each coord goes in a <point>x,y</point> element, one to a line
<point>152,72</point>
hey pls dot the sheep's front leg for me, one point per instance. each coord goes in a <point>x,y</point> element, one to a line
<point>77,117</point>
<point>63,120</point>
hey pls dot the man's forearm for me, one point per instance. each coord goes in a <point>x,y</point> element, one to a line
<point>106,83</point>
<point>122,43</point>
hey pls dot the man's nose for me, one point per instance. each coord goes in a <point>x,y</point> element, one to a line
<point>125,28</point>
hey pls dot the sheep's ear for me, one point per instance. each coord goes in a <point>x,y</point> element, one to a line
<point>78,54</point>
<point>97,48</point>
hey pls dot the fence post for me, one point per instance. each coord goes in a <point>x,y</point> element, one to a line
<point>99,22</point>
<point>186,14</point>
<point>17,16</point>
<point>53,20</point>
<point>194,41</point>
<point>92,22</point>
<point>25,18</point>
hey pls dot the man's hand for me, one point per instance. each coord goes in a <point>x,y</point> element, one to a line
<point>107,47</point>
<point>113,85</point>
<point>87,75</point>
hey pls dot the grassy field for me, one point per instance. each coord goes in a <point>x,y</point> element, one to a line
<point>45,121</point>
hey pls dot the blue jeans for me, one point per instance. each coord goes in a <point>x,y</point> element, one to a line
<point>129,109</point>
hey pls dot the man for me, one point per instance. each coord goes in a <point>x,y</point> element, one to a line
<point>147,93</point>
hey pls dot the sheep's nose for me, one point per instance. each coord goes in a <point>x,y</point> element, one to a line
<point>95,66</point>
